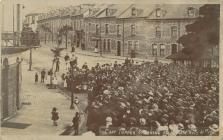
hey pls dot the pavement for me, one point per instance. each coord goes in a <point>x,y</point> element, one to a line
<point>34,118</point>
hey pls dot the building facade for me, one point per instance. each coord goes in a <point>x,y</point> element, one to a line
<point>31,20</point>
<point>132,30</point>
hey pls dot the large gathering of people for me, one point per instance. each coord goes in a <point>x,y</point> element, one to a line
<point>149,96</point>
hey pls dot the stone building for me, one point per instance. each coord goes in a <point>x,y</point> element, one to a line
<point>133,30</point>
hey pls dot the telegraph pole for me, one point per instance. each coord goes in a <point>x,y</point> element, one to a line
<point>100,41</point>
<point>18,24</point>
<point>2,18</point>
<point>13,24</point>
<point>123,37</point>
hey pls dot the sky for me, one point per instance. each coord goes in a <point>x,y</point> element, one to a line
<point>6,7</point>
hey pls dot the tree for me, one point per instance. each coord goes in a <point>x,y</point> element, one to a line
<point>203,33</point>
<point>27,36</point>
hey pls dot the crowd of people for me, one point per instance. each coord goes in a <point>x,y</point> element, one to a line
<point>144,97</point>
<point>149,96</point>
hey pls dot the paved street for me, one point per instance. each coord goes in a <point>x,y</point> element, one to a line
<point>38,100</point>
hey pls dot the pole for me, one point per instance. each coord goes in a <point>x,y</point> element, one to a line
<point>66,38</point>
<point>18,24</point>
<point>30,59</point>
<point>13,24</point>
<point>123,38</point>
<point>100,41</point>
<point>30,42</point>
<point>72,88</point>
<point>3,17</point>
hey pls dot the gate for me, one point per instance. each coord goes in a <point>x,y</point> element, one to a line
<point>11,86</point>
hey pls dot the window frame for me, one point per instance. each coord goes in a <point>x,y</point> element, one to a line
<point>158,12</point>
<point>154,49</point>
<point>158,32</point>
<point>133,30</point>
<point>118,29</point>
<point>162,50</point>
<point>190,11</point>
<point>174,31</point>
<point>106,28</point>
<point>97,29</point>
<point>134,11</point>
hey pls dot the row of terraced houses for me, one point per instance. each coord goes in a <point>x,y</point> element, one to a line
<point>122,30</point>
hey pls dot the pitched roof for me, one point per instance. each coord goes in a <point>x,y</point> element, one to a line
<point>143,10</point>
<point>173,11</point>
<point>91,12</point>
<point>115,10</point>
<point>168,10</point>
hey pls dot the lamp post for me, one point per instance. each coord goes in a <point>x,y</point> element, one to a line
<point>72,88</point>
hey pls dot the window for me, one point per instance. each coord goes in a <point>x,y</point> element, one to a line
<point>118,30</point>
<point>158,32</point>
<point>109,45</point>
<point>154,49</point>
<point>158,12</point>
<point>190,12</point>
<point>173,31</point>
<point>133,11</point>
<point>107,12</point>
<point>136,45</point>
<point>106,28</point>
<point>97,29</point>
<point>162,49</point>
<point>33,19</point>
<point>89,27</point>
<point>130,47</point>
<point>133,30</point>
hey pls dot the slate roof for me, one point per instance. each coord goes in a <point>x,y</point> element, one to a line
<point>169,11</point>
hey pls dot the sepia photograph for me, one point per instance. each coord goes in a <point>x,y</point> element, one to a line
<point>70,68</point>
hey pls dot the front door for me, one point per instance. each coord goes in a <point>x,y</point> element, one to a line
<point>118,48</point>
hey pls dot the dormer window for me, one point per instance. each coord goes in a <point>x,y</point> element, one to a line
<point>107,12</point>
<point>90,11</point>
<point>158,12</point>
<point>134,11</point>
<point>190,11</point>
